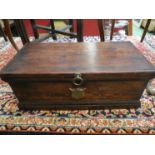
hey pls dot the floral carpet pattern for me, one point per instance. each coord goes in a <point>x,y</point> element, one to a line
<point>104,121</point>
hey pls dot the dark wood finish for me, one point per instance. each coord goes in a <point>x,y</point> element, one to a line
<point>112,28</point>
<point>34,28</point>
<point>145,29</point>
<point>9,33</point>
<point>41,75</point>
<point>79,28</point>
<point>101,30</point>
<point>22,31</point>
<point>53,29</point>
<point>71,22</point>
<point>98,93</point>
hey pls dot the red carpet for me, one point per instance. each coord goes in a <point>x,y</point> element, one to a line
<point>103,121</point>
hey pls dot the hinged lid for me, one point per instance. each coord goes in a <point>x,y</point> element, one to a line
<point>92,60</point>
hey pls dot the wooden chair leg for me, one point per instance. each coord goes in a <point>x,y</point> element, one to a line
<point>71,22</point>
<point>79,25</point>
<point>130,27</point>
<point>112,28</point>
<point>53,29</point>
<point>101,30</point>
<point>35,31</point>
<point>3,33</point>
<point>9,33</point>
<point>22,31</point>
<point>145,29</point>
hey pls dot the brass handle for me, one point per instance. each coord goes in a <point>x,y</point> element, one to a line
<point>78,80</point>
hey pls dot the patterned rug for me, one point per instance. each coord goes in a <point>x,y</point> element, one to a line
<point>104,121</point>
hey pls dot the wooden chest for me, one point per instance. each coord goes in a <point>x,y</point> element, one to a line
<point>78,75</point>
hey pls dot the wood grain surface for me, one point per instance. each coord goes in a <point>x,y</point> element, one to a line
<point>114,73</point>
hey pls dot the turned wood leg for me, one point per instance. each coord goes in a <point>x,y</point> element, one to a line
<point>35,31</point>
<point>79,24</point>
<point>9,33</point>
<point>53,29</point>
<point>22,31</point>
<point>71,22</point>
<point>101,30</point>
<point>130,27</point>
<point>112,28</point>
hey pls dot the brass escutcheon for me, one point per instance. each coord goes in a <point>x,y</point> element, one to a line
<point>77,93</point>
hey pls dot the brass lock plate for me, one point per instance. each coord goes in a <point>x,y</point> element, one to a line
<point>77,93</point>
